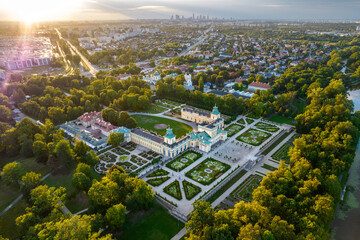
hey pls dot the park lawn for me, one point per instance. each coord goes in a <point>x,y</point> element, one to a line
<point>64,179</point>
<point>155,224</point>
<point>281,119</point>
<point>148,122</point>
<point>78,203</point>
<point>156,108</point>
<point>8,194</point>
<point>60,180</point>
<point>8,228</point>
<point>29,164</point>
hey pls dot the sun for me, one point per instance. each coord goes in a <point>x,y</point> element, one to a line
<point>30,11</point>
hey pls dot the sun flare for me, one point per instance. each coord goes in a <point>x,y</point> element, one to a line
<point>30,11</point>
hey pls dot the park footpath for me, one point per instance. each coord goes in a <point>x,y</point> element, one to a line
<point>18,198</point>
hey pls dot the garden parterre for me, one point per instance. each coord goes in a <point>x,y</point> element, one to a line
<point>267,127</point>
<point>253,137</point>
<point>184,160</point>
<point>233,129</point>
<point>207,171</point>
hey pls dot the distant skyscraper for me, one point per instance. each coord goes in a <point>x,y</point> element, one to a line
<point>193,16</point>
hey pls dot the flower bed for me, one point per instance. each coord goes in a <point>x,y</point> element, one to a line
<point>234,129</point>
<point>249,121</point>
<point>253,137</point>
<point>267,127</point>
<point>157,181</point>
<point>173,189</point>
<point>137,160</point>
<point>191,190</point>
<point>183,160</point>
<point>241,121</point>
<point>199,173</point>
<point>159,172</point>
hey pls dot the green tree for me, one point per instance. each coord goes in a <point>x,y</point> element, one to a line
<point>115,216</point>
<point>81,181</point>
<point>40,150</point>
<point>12,173</point>
<point>131,123</point>
<point>64,153</point>
<point>29,181</point>
<point>115,139</point>
<point>5,114</point>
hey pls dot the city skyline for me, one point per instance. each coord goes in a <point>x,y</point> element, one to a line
<point>41,10</point>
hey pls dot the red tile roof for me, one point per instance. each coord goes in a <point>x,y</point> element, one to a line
<point>260,85</point>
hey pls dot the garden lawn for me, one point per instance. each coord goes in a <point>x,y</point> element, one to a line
<point>207,171</point>
<point>234,129</point>
<point>149,122</point>
<point>253,137</point>
<point>78,203</point>
<point>281,119</point>
<point>268,167</point>
<point>155,224</point>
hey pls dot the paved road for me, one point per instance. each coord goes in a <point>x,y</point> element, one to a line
<point>93,70</point>
<point>202,39</point>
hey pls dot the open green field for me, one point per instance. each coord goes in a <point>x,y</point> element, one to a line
<point>149,122</point>
<point>155,224</point>
<point>281,119</point>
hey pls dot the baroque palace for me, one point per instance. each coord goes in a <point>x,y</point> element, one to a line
<point>210,131</point>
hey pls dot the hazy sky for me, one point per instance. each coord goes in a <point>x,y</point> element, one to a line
<point>125,9</point>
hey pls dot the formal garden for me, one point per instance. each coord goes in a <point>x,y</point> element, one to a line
<point>253,137</point>
<point>267,127</point>
<point>184,160</point>
<point>158,173</point>
<point>249,120</point>
<point>155,182</point>
<point>207,171</point>
<point>282,153</point>
<point>130,146</point>
<point>234,129</point>
<point>191,190</point>
<point>173,189</point>
<point>241,121</point>
<point>244,191</point>
<point>150,155</point>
